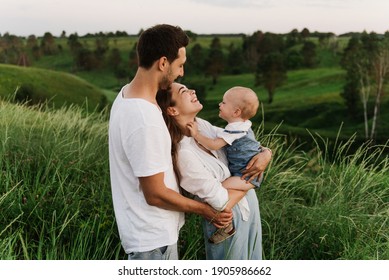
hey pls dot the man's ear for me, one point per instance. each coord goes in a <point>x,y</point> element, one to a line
<point>171,111</point>
<point>162,63</point>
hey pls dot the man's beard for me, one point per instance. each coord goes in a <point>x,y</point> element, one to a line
<point>166,80</point>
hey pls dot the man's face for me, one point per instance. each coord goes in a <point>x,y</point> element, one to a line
<point>174,70</point>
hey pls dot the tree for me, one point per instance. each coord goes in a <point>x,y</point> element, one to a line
<point>366,60</point>
<point>292,38</point>
<point>271,43</point>
<point>48,45</point>
<point>33,46</point>
<point>271,73</point>
<point>351,89</point>
<point>250,49</point>
<point>381,71</point>
<point>11,47</point>
<point>294,59</point>
<point>75,48</point>
<point>305,33</point>
<point>235,60</point>
<point>102,46</point>
<point>215,60</point>
<point>196,61</point>
<point>114,59</point>
<point>85,59</point>
<point>308,53</point>
<point>132,61</point>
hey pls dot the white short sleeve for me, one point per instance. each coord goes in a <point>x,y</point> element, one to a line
<point>149,140</point>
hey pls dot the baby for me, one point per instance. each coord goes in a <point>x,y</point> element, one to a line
<point>238,106</point>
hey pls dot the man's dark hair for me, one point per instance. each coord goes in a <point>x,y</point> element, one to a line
<point>158,41</point>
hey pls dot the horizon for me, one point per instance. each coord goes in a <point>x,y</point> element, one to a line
<point>35,17</point>
<point>198,34</point>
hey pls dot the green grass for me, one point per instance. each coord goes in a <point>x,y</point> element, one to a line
<point>325,200</point>
<point>58,88</point>
<point>55,191</point>
<point>326,205</point>
<point>56,201</point>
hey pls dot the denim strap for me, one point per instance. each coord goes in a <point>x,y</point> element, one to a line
<point>235,131</point>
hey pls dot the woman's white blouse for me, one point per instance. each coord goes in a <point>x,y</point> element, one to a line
<point>202,173</point>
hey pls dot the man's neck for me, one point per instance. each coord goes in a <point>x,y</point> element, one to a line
<point>143,86</point>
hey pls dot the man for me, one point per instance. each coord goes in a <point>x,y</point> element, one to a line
<point>148,206</point>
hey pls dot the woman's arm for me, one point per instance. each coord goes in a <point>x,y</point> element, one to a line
<point>257,164</point>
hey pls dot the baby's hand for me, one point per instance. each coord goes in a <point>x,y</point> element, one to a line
<point>193,128</point>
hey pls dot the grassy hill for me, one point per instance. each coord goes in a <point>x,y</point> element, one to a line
<point>58,88</point>
<point>55,196</point>
<point>56,201</point>
<point>309,100</point>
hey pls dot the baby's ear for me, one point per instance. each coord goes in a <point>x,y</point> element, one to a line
<point>171,111</point>
<point>237,112</point>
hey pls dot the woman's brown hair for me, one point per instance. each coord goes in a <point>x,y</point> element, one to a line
<point>165,100</point>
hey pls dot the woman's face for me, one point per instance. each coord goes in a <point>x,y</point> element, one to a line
<point>185,99</point>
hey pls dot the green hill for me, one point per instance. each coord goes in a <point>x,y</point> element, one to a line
<point>309,100</point>
<point>58,88</point>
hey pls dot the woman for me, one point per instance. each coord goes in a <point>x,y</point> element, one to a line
<point>201,172</point>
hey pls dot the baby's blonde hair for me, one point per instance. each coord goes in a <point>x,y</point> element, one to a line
<point>246,100</point>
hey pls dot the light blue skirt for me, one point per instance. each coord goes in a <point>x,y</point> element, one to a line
<point>246,244</point>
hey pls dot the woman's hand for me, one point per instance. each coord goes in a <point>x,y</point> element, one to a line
<point>257,165</point>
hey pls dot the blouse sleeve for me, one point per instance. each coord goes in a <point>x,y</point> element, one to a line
<point>197,179</point>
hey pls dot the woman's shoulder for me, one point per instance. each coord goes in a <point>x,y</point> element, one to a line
<point>186,150</point>
<point>186,144</point>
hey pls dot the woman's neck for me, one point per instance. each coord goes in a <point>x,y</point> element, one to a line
<point>183,122</point>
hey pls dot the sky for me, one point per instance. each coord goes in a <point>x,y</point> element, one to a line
<point>27,17</point>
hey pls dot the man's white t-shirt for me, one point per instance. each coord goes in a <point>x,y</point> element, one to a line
<point>140,146</point>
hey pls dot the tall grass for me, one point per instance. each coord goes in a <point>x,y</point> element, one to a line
<point>55,192</point>
<point>326,205</point>
<point>55,196</point>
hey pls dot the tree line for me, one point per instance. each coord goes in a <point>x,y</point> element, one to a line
<point>268,56</point>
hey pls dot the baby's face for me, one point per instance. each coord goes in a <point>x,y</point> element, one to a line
<point>227,108</point>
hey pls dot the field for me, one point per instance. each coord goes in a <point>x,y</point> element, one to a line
<point>57,88</point>
<point>325,194</point>
<point>56,201</point>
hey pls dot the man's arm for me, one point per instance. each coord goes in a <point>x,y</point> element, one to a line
<point>157,194</point>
